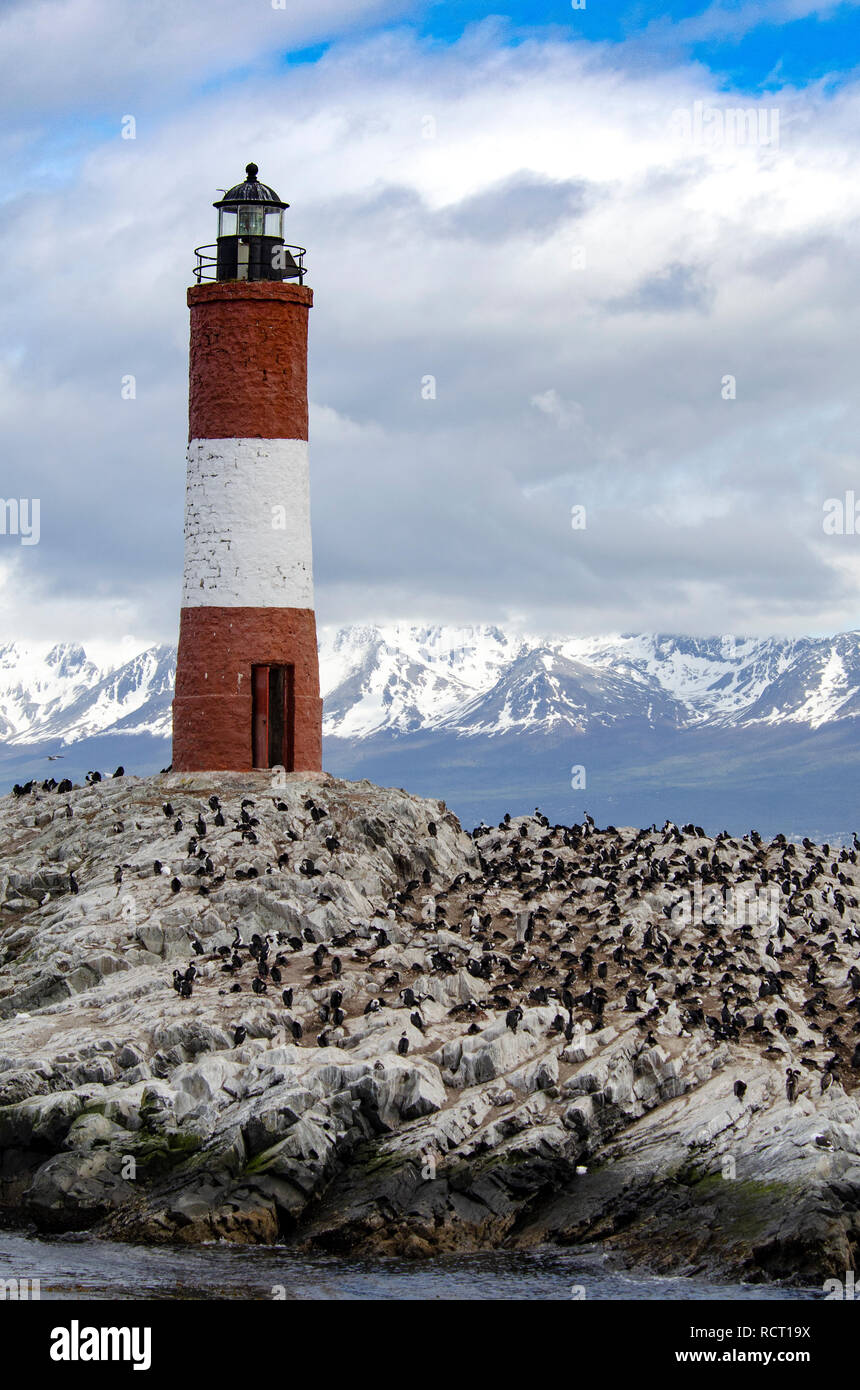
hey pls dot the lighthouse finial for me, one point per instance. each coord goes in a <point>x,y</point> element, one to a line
<point>252,171</point>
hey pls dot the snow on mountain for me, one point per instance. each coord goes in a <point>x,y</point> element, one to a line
<point>482,680</point>
<point>713,678</point>
<point>545,690</point>
<point>400,679</point>
<point>38,684</point>
<point>819,684</point>
<point>134,699</point>
<point>406,678</point>
<point>59,694</point>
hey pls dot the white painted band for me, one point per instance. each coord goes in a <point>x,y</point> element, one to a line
<point>248,524</point>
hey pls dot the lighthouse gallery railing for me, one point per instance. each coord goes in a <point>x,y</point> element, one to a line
<point>207,261</point>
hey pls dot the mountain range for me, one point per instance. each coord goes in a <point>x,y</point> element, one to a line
<point>636,727</point>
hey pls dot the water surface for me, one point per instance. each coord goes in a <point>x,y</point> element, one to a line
<point>81,1267</point>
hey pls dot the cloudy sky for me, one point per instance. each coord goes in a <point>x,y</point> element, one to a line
<point>551,211</point>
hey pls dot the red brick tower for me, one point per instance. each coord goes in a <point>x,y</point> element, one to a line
<point>247,678</point>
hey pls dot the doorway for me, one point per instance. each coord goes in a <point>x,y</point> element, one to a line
<point>273,716</point>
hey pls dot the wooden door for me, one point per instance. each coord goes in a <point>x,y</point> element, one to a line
<point>273,716</point>
<point>289,708</point>
<point>260,716</point>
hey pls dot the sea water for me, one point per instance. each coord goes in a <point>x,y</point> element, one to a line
<point>81,1267</point>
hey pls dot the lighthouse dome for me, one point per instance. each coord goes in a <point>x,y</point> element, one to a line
<point>251,191</point>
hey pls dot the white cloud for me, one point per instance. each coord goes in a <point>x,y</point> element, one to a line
<point>452,256</point>
<point>68,54</point>
<point>565,414</point>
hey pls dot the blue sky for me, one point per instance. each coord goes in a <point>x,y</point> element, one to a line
<point>446,165</point>
<point>748,48</point>
<point>766,49</point>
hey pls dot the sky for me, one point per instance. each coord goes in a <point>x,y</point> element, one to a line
<point>583,354</point>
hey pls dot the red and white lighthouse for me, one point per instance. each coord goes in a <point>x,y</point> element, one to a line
<point>247,678</point>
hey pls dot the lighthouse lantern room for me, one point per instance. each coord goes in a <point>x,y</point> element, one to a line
<point>247,679</point>
<point>250,243</point>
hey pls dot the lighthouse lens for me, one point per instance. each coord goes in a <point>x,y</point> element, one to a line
<point>251,221</point>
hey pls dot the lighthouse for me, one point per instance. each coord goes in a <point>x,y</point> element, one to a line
<point>247,677</point>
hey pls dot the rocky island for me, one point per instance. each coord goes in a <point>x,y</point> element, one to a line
<point>318,1012</point>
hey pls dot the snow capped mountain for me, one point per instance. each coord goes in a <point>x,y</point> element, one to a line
<point>545,690</point>
<point>407,678</point>
<point>59,694</point>
<point>401,680</point>
<point>35,685</point>
<point>731,681</point>
<point>483,681</point>
<point>820,683</point>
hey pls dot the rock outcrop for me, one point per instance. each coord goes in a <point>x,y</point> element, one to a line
<point>319,1012</point>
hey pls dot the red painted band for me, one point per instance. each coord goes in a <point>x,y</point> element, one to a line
<point>249,360</point>
<point>212,710</point>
